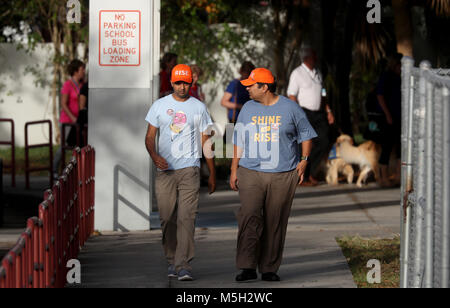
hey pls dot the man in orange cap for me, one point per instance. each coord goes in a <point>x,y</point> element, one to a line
<point>266,169</point>
<point>181,120</point>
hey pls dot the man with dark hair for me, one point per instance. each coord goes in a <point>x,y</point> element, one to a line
<point>266,169</point>
<point>181,120</point>
<point>236,95</point>
<point>305,88</point>
<point>168,62</point>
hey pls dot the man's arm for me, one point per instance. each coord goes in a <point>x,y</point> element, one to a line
<point>330,115</point>
<point>293,98</point>
<point>227,103</point>
<point>150,139</point>
<point>83,102</point>
<point>234,167</point>
<point>383,105</point>
<point>301,167</point>
<point>65,107</point>
<point>209,156</point>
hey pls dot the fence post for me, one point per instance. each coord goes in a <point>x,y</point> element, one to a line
<point>1,193</point>
<point>28,255</point>
<point>2,277</point>
<point>28,170</point>
<point>420,187</point>
<point>406,186</point>
<point>429,188</point>
<point>12,143</point>
<point>445,262</point>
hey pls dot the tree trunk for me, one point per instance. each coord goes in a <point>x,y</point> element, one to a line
<point>344,66</point>
<point>329,10</point>
<point>288,27</point>
<point>279,48</point>
<point>56,38</point>
<point>403,27</point>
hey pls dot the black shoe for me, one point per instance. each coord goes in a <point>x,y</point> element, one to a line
<point>247,275</point>
<point>270,277</point>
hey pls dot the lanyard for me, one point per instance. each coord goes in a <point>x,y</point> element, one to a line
<point>77,87</point>
<point>313,78</point>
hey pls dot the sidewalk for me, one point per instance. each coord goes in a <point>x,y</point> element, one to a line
<point>19,205</point>
<point>312,258</point>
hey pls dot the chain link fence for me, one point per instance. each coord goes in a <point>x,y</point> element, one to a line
<point>425,247</point>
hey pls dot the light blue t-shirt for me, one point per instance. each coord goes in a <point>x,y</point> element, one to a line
<point>270,135</point>
<point>180,126</point>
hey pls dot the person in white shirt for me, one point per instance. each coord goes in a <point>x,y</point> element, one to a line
<point>305,88</point>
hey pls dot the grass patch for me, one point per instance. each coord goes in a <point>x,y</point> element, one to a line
<point>359,251</point>
<point>39,158</point>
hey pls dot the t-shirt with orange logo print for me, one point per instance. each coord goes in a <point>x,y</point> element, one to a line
<point>270,135</point>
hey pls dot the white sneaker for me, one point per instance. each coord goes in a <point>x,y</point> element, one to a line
<point>171,272</point>
<point>185,275</point>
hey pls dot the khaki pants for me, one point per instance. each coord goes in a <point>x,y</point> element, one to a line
<point>177,194</point>
<point>266,201</point>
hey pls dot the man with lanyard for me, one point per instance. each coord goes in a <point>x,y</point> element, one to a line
<point>266,170</point>
<point>305,88</point>
<point>181,121</point>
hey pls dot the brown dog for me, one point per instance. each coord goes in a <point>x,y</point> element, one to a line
<point>365,156</point>
<point>337,166</point>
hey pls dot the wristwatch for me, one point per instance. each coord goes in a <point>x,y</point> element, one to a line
<point>305,158</point>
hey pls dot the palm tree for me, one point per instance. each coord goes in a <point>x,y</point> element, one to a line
<point>403,24</point>
<point>369,43</point>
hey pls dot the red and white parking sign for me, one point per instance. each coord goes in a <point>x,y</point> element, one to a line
<point>120,38</point>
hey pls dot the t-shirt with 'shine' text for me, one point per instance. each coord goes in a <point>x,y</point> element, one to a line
<point>270,135</point>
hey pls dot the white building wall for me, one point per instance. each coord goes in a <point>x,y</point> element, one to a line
<point>21,99</point>
<point>26,97</point>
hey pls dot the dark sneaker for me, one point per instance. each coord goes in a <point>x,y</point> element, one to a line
<point>270,277</point>
<point>171,272</point>
<point>185,275</point>
<point>247,275</point>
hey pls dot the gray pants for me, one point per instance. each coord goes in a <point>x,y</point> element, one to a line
<point>177,194</point>
<point>59,153</point>
<point>266,201</point>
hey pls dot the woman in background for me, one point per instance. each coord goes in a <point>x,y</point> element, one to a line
<point>196,89</point>
<point>70,93</point>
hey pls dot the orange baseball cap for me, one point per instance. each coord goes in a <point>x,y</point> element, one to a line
<point>261,75</point>
<point>182,72</point>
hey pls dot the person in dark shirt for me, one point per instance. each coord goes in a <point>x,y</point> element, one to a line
<point>390,102</point>
<point>168,62</point>
<point>236,94</point>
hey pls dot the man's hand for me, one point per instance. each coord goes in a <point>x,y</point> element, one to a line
<point>212,183</point>
<point>389,119</point>
<point>234,181</point>
<point>331,118</point>
<point>301,168</point>
<point>160,163</point>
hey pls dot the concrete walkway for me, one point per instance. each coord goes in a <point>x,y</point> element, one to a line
<point>19,204</point>
<point>312,257</point>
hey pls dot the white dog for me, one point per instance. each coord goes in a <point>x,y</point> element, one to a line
<point>366,156</point>
<point>337,165</point>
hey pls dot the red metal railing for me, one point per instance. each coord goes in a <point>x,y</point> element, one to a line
<point>12,143</point>
<point>66,220</point>
<point>28,169</point>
